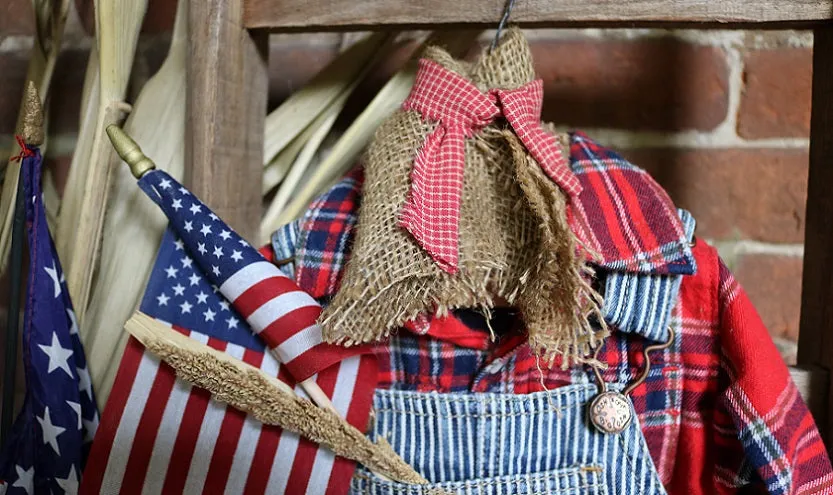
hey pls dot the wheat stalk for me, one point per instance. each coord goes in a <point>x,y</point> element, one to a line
<point>50,19</point>
<point>82,212</point>
<point>133,225</point>
<point>266,398</point>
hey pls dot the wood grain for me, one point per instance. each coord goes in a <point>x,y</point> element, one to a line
<point>815,345</point>
<point>226,108</point>
<point>334,13</point>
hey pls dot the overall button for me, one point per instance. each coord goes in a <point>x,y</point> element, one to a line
<point>610,412</point>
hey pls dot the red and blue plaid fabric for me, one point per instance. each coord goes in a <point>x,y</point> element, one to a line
<point>718,410</point>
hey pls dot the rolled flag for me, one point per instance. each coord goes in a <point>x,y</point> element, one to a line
<point>47,446</point>
<point>282,314</point>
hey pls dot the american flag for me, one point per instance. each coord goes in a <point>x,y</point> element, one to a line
<point>158,434</point>
<point>48,443</point>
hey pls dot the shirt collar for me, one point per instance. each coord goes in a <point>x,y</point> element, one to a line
<point>622,214</point>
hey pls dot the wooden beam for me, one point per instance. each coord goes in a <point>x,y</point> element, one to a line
<point>815,344</point>
<point>226,109</point>
<point>324,14</point>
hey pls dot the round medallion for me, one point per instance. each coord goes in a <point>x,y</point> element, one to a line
<point>610,412</point>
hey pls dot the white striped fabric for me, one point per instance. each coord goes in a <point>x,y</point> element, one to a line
<point>172,438</point>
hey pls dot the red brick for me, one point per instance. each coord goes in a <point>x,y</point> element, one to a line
<point>756,194</point>
<point>777,93</point>
<point>773,283</point>
<point>16,17</point>
<point>654,84</point>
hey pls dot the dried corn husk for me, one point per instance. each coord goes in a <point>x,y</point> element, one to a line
<point>344,153</point>
<point>290,119</point>
<point>50,17</point>
<point>82,212</point>
<point>133,225</point>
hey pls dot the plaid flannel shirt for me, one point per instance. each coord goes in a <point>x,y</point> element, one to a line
<point>718,410</point>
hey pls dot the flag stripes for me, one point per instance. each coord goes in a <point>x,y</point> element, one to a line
<point>203,446</point>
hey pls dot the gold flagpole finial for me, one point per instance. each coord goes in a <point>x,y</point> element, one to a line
<point>32,116</point>
<point>129,151</point>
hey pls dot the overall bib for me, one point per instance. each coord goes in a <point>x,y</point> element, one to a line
<point>510,444</point>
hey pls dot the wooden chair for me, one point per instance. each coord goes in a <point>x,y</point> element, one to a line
<point>227,92</point>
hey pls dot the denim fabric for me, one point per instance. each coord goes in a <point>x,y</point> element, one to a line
<point>507,444</point>
<point>641,303</point>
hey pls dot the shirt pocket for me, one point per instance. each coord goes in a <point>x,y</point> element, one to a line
<point>579,480</point>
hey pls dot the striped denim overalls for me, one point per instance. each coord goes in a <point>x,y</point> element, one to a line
<point>500,443</point>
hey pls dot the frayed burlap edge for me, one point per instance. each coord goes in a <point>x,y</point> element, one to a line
<point>560,325</point>
<point>553,290</point>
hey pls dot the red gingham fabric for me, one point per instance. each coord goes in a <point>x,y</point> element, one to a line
<point>432,211</point>
<point>719,411</point>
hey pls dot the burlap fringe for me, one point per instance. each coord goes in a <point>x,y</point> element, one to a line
<point>515,243</point>
<point>254,395</point>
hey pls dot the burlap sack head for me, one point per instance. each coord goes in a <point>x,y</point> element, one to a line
<point>515,245</point>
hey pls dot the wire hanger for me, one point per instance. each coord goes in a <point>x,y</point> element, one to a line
<point>507,10</point>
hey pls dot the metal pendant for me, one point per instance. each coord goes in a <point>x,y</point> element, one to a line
<point>610,412</point>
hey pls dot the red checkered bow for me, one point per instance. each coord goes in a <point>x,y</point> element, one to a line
<point>432,212</point>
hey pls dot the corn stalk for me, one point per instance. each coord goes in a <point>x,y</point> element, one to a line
<point>82,212</point>
<point>50,20</point>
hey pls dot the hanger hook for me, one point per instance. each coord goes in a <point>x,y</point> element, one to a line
<point>507,10</point>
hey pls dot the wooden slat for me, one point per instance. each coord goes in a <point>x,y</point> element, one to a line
<point>815,345</point>
<point>333,13</point>
<point>226,108</point>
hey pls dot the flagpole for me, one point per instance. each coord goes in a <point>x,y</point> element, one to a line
<point>32,136</point>
<point>140,164</point>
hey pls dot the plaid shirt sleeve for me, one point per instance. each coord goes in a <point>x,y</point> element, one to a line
<point>764,436</point>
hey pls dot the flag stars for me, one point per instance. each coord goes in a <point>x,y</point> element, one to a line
<point>57,355</point>
<point>232,322</point>
<point>50,431</point>
<point>56,282</point>
<point>70,483</point>
<point>162,299</point>
<point>223,305</point>
<point>195,208</point>
<point>209,315</point>
<point>184,191</point>
<point>214,287</point>
<point>25,479</point>
<point>165,184</point>
<point>186,262</point>
<point>185,307</point>
<point>205,230</point>
<point>201,248</point>
<point>215,270</point>
<point>73,323</point>
<point>225,234</point>
<point>179,244</point>
<point>242,242</point>
<point>213,216</point>
<point>178,289</point>
<point>189,226</point>
<point>84,383</point>
<point>176,204</point>
<point>236,255</point>
<point>90,427</point>
<point>171,271</point>
<point>75,406</point>
<point>202,298</point>
<point>194,279</point>
<point>218,252</point>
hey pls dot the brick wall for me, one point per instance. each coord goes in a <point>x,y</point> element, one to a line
<point>721,118</point>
